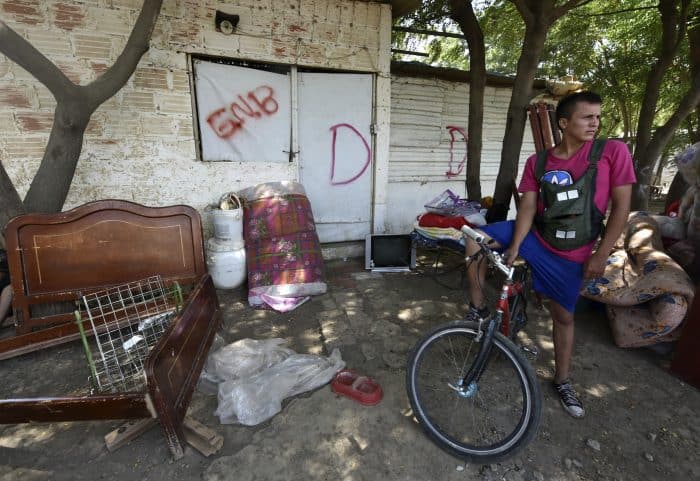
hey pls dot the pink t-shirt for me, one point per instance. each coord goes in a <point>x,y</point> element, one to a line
<point>615,168</point>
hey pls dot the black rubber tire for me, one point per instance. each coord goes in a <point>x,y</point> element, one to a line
<point>521,388</point>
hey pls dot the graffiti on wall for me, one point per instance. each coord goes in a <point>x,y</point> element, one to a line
<point>452,129</point>
<point>361,170</point>
<point>257,103</point>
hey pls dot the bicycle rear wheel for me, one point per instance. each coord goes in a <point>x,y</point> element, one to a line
<point>489,424</point>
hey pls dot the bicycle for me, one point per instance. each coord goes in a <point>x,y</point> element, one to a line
<point>470,387</point>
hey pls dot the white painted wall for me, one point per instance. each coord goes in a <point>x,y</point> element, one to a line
<point>140,144</point>
<point>421,111</point>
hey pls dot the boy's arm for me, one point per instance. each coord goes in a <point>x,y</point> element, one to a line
<point>621,199</point>
<point>523,223</point>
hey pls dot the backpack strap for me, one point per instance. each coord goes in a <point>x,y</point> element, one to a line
<point>596,152</point>
<point>593,157</point>
<point>539,166</point>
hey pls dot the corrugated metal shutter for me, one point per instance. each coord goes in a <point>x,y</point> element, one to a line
<point>421,111</point>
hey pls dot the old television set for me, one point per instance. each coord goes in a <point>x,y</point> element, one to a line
<point>389,253</point>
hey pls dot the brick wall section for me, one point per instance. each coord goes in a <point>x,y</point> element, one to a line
<point>140,144</point>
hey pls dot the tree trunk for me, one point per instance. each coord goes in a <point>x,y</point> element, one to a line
<point>673,29</point>
<point>660,169</point>
<point>9,200</point>
<point>647,149</point>
<point>463,13</point>
<point>515,121</point>
<point>74,106</point>
<point>538,15</point>
<point>662,136</point>
<point>49,188</point>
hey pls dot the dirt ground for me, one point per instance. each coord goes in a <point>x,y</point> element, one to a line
<point>641,422</point>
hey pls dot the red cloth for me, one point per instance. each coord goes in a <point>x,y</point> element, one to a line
<point>673,208</point>
<point>442,221</point>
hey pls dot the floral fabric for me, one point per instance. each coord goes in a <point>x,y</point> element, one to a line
<point>646,293</point>
<point>283,253</point>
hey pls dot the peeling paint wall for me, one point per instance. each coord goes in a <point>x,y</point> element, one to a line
<point>140,144</point>
<point>428,127</point>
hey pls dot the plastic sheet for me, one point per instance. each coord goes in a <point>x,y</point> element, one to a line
<point>254,377</point>
<point>450,204</point>
<point>244,358</point>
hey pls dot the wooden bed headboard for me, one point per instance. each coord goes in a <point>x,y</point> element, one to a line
<point>55,258</point>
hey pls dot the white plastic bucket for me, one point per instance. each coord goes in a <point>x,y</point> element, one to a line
<point>228,223</point>
<point>215,244</point>
<point>227,268</point>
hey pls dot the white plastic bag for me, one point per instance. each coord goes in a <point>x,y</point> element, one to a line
<point>244,358</point>
<point>257,398</point>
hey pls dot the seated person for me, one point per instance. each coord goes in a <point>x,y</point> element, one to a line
<point>560,251</point>
<point>5,289</point>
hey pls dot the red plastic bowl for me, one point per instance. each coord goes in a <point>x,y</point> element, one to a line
<point>362,389</point>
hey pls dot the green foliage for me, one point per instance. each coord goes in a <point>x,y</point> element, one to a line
<point>609,45</point>
<point>504,31</point>
<point>433,15</point>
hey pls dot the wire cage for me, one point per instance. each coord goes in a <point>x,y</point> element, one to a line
<point>128,320</point>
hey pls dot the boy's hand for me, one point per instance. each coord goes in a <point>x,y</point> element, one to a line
<point>511,254</point>
<point>595,266</point>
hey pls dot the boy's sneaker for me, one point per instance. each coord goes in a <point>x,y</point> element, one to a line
<point>475,314</point>
<point>569,399</point>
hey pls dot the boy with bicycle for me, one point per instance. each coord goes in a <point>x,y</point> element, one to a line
<point>565,193</point>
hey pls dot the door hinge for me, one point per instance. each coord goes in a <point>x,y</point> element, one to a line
<point>373,129</point>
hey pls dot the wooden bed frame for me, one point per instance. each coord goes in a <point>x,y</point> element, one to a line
<point>58,258</point>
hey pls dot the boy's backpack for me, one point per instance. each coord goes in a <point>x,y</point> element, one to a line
<point>571,218</point>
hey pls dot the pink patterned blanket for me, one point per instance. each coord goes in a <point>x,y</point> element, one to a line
<point>283,253</point>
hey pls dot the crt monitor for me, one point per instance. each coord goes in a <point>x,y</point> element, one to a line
<point>390,252</point>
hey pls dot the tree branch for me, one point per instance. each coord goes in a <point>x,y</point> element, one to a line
<point>524,10</point>
<point>118,74</point>
<point>614,12</point>
<point>17,49</point>
<point>688,103</point>
<point>422,31</point>
<point>559,11</point>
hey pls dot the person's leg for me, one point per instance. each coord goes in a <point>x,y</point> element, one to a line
<point>563,337</point>
<point>560,281</point>
<point>5,302</point>
<point>476,276</point>
<point>496,235</point>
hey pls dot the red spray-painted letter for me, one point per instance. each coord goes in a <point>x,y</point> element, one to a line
<point>334,129</point>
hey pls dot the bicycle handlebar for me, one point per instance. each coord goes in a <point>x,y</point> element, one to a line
<point>472,234</point>
<point>495,258</point>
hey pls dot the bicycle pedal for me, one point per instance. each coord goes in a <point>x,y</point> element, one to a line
<point>530,350</point>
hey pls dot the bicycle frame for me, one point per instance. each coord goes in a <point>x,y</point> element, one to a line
<point>500,320</point>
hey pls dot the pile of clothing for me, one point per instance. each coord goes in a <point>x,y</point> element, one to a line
<point>443,217</point>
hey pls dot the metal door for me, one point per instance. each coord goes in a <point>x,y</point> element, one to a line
<point>335,152</point>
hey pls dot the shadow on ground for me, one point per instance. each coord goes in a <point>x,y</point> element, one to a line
<point>641,422</point>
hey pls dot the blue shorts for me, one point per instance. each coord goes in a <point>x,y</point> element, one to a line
<point>557,278</point>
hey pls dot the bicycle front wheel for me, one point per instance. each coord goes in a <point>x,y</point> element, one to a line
<point>486,422</point>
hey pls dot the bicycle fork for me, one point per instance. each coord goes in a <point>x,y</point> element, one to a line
<point>468,386</point>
